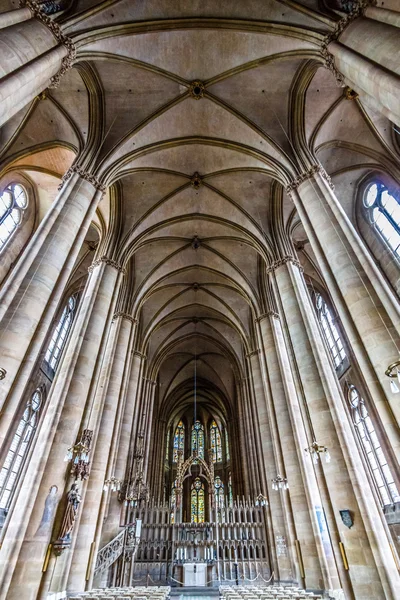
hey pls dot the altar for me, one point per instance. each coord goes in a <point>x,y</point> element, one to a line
<point>194,574</point>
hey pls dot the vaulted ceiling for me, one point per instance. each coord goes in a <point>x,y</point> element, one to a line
<point>197,206</point>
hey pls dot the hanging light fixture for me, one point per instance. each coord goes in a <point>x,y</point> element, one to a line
<point>112,483</point>
<point>393,371</point>
<point>315,450</point>
<point>280,483</point>
<point>79,455</point>
<point>261,500</point>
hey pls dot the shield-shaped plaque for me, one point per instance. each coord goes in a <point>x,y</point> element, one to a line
<point>346,518</point>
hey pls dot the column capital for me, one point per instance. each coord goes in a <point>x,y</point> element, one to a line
<point>283,261</point>
<point>85,175</point>
<point>37,10</point>
<point>107,261</point>
<point>140,355</point>
<point>357,9</point>
<point>123,315</point>
<point>270,313</point>
<point>313,170</point>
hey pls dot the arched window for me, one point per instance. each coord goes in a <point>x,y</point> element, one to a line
<point>198,439</point>
<point>228,454</point>
<point>384,212</point>
<point>60,334</point>
<point>230,493</point>
<point>167,446</point>
<point>179,440</point>
<point>13,202</point>
<point>173,502</point>
<point>18,450</point>
<point>215,438</point>
<point>197,501</point>
<point>372,449</point>
<point>330,331</point>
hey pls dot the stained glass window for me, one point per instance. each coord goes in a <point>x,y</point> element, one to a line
<point>167,446</point>
<point>372,449</point>
<point>228,454</point>
<point>13,202</point>
<point>330,331</point>
<point>230,494</point>
<point>179,440</point>
<point>216,447</point>
<point>173,502</point>
<point>198,439</point>
<point>219,494</point>
<point>19,448</point>
<point>197,511</point>
<point>60,334</point>
<point>384,210</point>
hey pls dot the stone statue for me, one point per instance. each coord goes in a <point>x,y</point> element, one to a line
<point>48,512</point>
<point>73,500</point>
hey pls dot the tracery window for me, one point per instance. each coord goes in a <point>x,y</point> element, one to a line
<point>197,496</point>
<point>60,334</point>
<point>167,445</point>
<point>216,447</point>
<point>179,440</point>
<point>198,439</point>
<point>330,330</point>
<point>372,449</point>
<point>19,448</point>
<point>13,202</point>
<point>230,493</point>
<point>384,212</point>
<point>228,454</point>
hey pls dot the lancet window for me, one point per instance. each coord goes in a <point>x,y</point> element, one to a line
<point>19,448</point>
<point>219,492</point>
<point>179,440</point>
<point>384,212</point>
<point>230,493</point>
<point>372,449</point>
<point>215,438</point>
<point>197,497</point>
<point>173,502</point>
<point>13,202</point>
<point>330,331</point>
<point>167,445</point>
<point>228,454</point>
<point>60,334</point>
<point>198,439</point>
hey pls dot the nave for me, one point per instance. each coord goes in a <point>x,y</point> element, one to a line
<point>199,297</point>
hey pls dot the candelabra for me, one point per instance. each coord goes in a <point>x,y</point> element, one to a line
<point>112,483</point>
<point>280,483</point>
<point>79,455</point>
<point>393,371</point>
<point>315,450</point>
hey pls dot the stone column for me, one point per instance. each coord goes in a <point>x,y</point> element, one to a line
<point>367,307</point>
<point>366,54</point>
<point>366,543</point>
<point>71,406</point>
<point>92,511</point>
<point>282,564</point>
<point>292,430</point>
<point>31,296</point>
<point>12,17</point>
<point>121,445</point>
<point>34,54</point>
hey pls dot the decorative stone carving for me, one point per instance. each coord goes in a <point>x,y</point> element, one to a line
<point>38,10</point>
<point>253,353</point>
<point>269,313</point>
<point>107,261</point>
<point>307,175</point>
<point>195,243</point>
<point>124,315</point>
<point>283,261</point>
<point>354,9</point>
<point>196,180</point>
<point>350,94</point>
<point>85,175</point>
<point>197,89</point>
